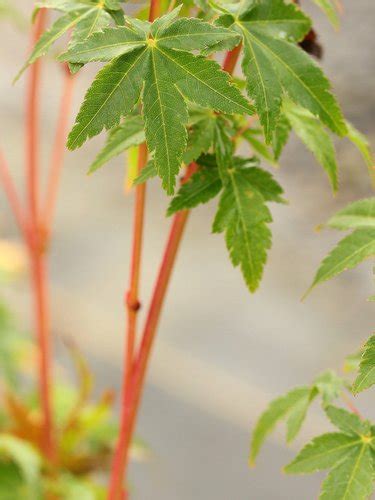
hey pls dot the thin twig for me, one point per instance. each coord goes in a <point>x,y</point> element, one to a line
<point>37,256</point>
<point>154,313</point>
<point>32,124</point>
<point>132,297</point>
<point>132,305</point>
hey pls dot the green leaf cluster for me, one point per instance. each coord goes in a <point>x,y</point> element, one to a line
<point>348,454</point>
<point>242,215</point>
<point>293,407</point>
<point>155,64</point>
<point>159,84</point>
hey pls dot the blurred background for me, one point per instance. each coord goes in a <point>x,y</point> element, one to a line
<point>221,354</point>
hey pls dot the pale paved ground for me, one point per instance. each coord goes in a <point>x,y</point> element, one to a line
<point>221,354</point>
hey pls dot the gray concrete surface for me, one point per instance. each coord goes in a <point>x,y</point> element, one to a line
<point>221,353</point>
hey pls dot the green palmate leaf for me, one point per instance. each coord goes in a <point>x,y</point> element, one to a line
<point>200,139</point>
<point>347,422</point>
<point>360,214</point>
<point>366,376</point>
<point>128,134</point>
<point>105,45</point>
<point>114,93</point>
<point>329,8</point>
<point>310,130</point>
<point>279,409</point>
<point>273,66</point>
<point>170,77</point>
<point>323,452</point>
<point>352,478</point>
<point>202,187</point>
<point>348,454</point>
<point>349,252</point>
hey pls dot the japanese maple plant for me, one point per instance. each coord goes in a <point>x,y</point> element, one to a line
<point>162,94</point>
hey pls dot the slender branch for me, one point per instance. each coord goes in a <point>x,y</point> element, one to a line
<point>58,150</point>
<point>13,199</point>
<point>32,124</point>
<point>42,328</point>
<point>36,250</point>
<point>132,305</point>
<point>132,297</point>
<point>154,313</point>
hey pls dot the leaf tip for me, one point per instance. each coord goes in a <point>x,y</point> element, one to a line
<point>19,74</point>
<point>308,291</point>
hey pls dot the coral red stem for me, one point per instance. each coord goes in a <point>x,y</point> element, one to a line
<point>132,305</point>
<point>36,250</point>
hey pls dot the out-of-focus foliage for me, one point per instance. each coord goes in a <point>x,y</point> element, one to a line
<point>85,427</point>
